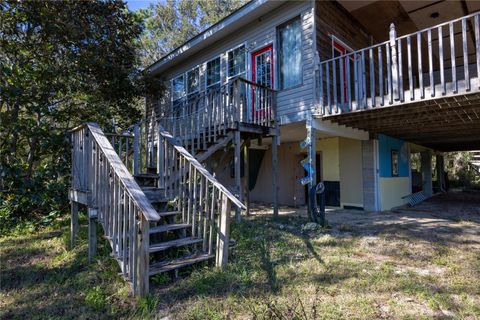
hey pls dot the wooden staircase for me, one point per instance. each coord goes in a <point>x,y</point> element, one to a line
<point>159,208</point>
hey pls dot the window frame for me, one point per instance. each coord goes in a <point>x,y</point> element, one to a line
<point>245,58</point>
<point>219,57</point>
<point>279,52</point>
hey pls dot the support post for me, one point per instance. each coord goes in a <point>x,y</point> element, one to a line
<point>310,166</point>
<point>246,175</point>
<point>92,233</point>
<point>238,181</point>
<point>393,48</point>
<point>370,175</point>
<point>143,258</point>
<point>274,174</point>
<point>426,167</point>
<point>223,237</point>
<point>440,172</point>
<point>73,223</point>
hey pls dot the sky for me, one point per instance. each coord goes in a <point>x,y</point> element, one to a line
<point>134,5</point>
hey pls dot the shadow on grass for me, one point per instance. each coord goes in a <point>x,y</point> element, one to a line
<point>263,246</point>
<point>50,282</point>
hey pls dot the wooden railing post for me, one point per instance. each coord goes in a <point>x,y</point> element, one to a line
<point>393,48</point>
<point>135,149</point>
<point>223,237</point>
<point>73,223</point>
<point>143,242</point>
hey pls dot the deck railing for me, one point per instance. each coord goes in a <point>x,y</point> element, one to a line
<point>201,118</point>
<point>121,207</point>
<point>203,201</point>
<point>435,62</point>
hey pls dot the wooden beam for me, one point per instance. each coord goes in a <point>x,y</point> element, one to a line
<point>92,233</point>
<point>274,175</point>
<point>246,161</point>
<point>238,181</point>
<point>223,237</point>
<point>73,223</point>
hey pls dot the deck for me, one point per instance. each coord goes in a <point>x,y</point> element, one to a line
<point>422,87</point>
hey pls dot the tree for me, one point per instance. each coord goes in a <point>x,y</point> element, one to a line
<point>61,63</point>
<point>169,24</point>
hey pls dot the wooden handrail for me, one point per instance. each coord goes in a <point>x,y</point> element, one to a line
<point>194,162</point>
<point>127,180</point>
<point>255,84</point>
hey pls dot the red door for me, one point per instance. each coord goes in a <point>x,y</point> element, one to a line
<point>341,50</point>
<point>262,73</point>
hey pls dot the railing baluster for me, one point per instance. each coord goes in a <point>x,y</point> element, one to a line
<point>348,84</point>
<point>328,89</point>
<point>389,74</point>
<point>430,62</point>
<point>440,53</point>
<point>452,58</point>
<point>477,48</point>
<point>320,83</point>
<point>364,82</point>
<point>410,67</point>
<point>465,54</point>
<point>356,83</point>
<point>401,92</point>
<point>380,76</point>
<point>335,101</point>
<point>342,84</point>
<point>372,77</point>
<point>420,72</point>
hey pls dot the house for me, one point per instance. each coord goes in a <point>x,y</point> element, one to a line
<point>296,48</point>
<point>269,101</point>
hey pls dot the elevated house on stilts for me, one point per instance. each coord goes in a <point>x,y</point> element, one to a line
<point>347,90</point>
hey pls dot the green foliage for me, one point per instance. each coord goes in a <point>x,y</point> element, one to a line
<point>61,64</point>
<point>160,279</point>
<point>96,298</point>
<point>169,24</point>
<point>146,307</point>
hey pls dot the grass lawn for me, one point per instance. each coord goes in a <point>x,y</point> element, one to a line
<point>365,266</point>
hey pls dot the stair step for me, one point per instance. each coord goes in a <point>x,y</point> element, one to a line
<point>154,194</point>
<point>160,267</point>
<point>146,176</point>
<point>168,213</point>
<point>169,227</point>
<point>173,244</point>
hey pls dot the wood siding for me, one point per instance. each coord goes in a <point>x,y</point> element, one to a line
<point>333,19</point>
<point>294,103</point>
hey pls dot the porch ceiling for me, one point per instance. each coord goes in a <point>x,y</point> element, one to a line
<point>446,124</point>
<point>408,16</point>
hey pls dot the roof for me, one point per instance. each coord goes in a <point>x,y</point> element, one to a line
<point>247,13</point>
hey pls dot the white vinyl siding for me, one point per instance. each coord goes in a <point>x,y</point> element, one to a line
<point>292,104</point>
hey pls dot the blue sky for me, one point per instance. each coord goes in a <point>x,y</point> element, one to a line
<point>134,5</point>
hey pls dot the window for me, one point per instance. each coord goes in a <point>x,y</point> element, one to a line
<point>213,71</point>
<point>178,87</point>
<point>193,80</point>
<point>394,163</point>
<point>290,53</point>
<point>236,61</point>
